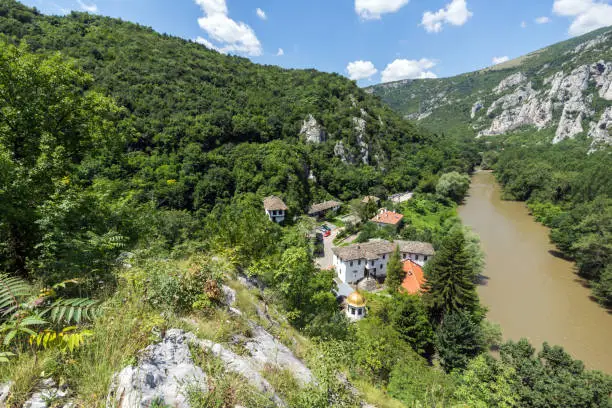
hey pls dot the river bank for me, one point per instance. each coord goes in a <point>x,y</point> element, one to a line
<point>528,290</point>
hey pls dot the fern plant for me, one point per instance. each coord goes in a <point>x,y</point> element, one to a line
<point>42,317</point>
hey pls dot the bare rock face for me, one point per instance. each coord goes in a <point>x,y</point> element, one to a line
<point>601,72</point>
<point>341,152</point>
<point>575,108</point>
<point>520,108</point>
<point>601,132</point>
<point>360,128</point>
<point>164,373</point>
<point>510,82</point>
<point>312,131</point>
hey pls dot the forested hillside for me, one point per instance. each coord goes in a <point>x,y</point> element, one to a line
<point>138,267</point>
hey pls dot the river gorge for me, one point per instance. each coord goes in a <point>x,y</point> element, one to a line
<point>527,289</point>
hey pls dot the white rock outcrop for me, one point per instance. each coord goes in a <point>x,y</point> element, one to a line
<point>601,132</point>
<point>165,372</point>
<point>312,131</point>
<point>575,107</point>
<point>360,128</point>
<point>510,82</point>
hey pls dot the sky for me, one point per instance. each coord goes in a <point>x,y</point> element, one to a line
<point>369,41</point>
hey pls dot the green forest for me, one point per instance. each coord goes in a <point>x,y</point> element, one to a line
<point>132,171</point>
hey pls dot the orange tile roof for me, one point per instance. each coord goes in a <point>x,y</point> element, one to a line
<point>387,217</point>
<point>414,279</point>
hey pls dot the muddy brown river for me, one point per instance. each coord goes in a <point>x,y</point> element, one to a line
<point>530,292</point>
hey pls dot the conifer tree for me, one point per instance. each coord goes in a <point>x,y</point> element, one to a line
<point>395,272</point>
<point>450,286</point>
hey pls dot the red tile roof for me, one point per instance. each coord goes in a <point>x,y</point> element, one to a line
<point>387,217</point>
<point>415,278</point>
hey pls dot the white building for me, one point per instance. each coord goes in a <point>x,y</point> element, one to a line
<point>275,209</point>
<point>355,262</point>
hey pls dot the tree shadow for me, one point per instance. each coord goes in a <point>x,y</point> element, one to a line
<point>559,254</point>
<point>482,280</point>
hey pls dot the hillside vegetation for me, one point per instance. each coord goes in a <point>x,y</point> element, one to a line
<point>132,171</point>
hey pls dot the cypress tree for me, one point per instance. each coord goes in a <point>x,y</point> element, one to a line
<point>395,272</point>
<point>450,286</point>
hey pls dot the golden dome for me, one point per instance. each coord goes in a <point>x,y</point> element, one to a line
<point>355,299</point>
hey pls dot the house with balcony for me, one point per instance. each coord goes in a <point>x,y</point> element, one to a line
<point>275,209</point>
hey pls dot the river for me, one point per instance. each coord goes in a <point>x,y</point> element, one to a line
<point>530,292</point>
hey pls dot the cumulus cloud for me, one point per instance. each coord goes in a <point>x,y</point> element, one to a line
<point>261,14</point>
<point>455,13</point>
<point>232,36</point>
<point>90,8</point>
<point>588,15</point>
<point>373,9</point>
<point>408,69</point>
<point>542,20</point>
<point>280,52</point>
<point>360,70</point>
<point>500,60</point>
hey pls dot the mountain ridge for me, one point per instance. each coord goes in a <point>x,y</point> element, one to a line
<point>566,84</point>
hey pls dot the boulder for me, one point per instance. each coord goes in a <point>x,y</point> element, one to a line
<point>164,373</point>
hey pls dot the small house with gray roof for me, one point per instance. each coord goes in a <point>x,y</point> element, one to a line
<point>275,208</point>
<point>369,259</point>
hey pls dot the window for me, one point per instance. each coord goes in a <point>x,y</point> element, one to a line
<point>374,271</point>
<point>359,262</point>
<point>352,311</point>
<point>351,264</point>
<point>359,312</point>
<point>384,256</point>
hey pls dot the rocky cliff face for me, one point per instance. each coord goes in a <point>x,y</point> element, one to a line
<point>565,90</point>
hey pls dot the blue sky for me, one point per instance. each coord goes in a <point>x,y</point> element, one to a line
<point>368,40</point>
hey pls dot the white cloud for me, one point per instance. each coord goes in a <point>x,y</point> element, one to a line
<point>455,13</point>
<point>360,70</point>
<point>523,24</point>
<point>280,52</point>
<point>588,15</point>
<point>206,43</point>
<point>373,9</point>
<point>408,69</point>
<point>500,60</point>
<point>542,20</point>
<point>261,14</point>
<point>233,36</point>
<point>90,8</point>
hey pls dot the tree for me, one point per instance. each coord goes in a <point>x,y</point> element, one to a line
<point>552,378</point>
<point>409,317</point>
<point>450,286</point>
<point>487,383</point>
<point>453,185</point>
<point>395,272</point>
<point>49,128</point>
<point>458,340</point>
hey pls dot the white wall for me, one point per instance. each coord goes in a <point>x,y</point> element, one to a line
<point>356,272</point>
